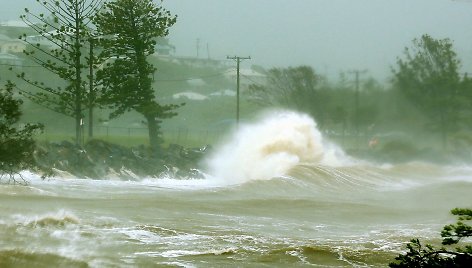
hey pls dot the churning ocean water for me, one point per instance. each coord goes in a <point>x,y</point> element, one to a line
<point>276,194</point>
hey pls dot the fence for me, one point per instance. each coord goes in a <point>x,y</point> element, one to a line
<point>185,136</point>
<point>135,135</point>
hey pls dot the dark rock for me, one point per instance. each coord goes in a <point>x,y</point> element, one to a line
<point>98,159</point>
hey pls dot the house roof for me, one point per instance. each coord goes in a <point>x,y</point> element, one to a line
<point>190,95</point>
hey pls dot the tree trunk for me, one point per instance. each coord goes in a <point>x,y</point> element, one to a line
<point>91,89</point>
<point>153,133</point>
<point>90,127</point>
<point>78,79</point>
<point>77,127</point>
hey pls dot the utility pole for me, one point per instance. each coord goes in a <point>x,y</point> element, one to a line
<point>198,47</point>
<point>238,61</point>
<point>356,104</point>
<point>208,51</point>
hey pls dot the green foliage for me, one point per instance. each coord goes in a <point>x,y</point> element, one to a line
<point>297,88</point>
<point>65,33</point>
<point>301,88</point>
<point>129,29</point>
<point>289,87</point>
<point>16,142</point>
<point>429,77</point>
<point>453,233</point>
<point>427,256</point>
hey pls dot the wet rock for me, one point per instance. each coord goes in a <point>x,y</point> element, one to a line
<point>99,159</point>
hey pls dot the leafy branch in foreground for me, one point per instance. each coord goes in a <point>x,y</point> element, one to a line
<point>16,142</point>
<point>428,256</point>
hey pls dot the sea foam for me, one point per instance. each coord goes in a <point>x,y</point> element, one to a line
<point>270,147</point>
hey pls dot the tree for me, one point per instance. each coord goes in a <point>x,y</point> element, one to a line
<point>294,87</point>
<point>428,76</point>
<point>16,142</point>
<point>129,29</point>
<point>370,99</point>
<point>467,89</point>
<point>67,31</point>
<point>419,256</point>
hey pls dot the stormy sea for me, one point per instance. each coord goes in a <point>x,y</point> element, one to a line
<point>274,194</point>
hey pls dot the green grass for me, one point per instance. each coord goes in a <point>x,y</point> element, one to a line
<point>189,140</point>
<point>54,137</point>
<point>128,141</point>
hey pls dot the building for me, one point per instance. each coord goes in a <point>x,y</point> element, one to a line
<point>7,59</point>
<point>164,47</point>
<point>15,29</point>
<point>9,45</point>
<point>43,41</point>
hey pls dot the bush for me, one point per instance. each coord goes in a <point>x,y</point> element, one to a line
<point>428,256</point>
<point>16,142</point>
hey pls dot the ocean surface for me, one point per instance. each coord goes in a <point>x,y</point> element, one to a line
<point>275,194</point>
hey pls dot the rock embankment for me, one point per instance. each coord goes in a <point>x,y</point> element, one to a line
<point>99,159</point>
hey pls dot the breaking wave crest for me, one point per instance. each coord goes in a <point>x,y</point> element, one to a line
<point>271,147</point>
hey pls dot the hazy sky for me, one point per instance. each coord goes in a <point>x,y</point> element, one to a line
<point>330,35</point>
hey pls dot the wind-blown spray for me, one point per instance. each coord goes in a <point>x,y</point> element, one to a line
<point>270,148</point>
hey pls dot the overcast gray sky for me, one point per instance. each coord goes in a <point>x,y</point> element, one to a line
<point>330,35</point>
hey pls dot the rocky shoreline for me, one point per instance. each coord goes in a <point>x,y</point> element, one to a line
<point>98,159</point>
